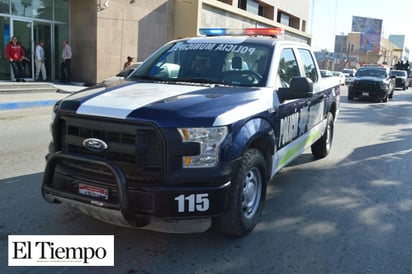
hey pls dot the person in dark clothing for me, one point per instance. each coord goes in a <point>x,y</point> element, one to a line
<point>66,61</point>
<point>15,54</point>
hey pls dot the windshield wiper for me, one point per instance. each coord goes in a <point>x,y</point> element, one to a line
<point>198,81</point>
<point>145,77</point>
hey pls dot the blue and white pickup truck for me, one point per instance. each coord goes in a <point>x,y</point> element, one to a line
<point>193,136</point>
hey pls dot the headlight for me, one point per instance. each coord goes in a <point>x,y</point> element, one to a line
<point>209,140</point>
<point>383,85</point>
<point>56,108</point>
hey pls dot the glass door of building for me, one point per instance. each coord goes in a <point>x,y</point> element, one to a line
<point>23,30</point>
<point>42,32</point>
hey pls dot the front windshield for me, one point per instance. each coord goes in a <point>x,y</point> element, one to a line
<point>379,73</point>
<point>398,73</point>
<point>242,64</point>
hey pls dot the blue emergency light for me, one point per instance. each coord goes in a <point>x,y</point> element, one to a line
<point>212,31</point>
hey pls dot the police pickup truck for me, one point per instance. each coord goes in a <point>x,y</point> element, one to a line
<point>193,136</point>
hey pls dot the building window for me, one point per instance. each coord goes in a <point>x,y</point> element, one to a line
<point>283,18</point>
<point>261,11</point>
<point>266,11</point>
<point>4,6</point>
<point>288,20</point>
<point>294,22</point>
<point>241,4</point>
<point>229,2</point>
<point>303,25</point>
<point>61,10</point>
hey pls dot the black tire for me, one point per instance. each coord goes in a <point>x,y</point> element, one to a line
<point>246,196</point>
<point>350,96</point>
<point>321,147</point>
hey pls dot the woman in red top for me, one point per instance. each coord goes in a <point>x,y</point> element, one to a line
<point>15,54</point>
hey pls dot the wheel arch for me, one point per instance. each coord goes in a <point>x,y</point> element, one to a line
<point>333,109</point>
<point>256,133</point>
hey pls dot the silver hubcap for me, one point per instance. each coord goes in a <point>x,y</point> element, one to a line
<point>328,136</point>
<point>252,191</point>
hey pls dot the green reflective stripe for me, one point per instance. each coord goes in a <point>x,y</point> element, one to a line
<point>294,150</point>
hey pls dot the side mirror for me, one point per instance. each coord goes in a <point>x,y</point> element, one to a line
<point>300,87</point>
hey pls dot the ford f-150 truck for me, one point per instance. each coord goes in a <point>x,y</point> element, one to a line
<point>192,137</point>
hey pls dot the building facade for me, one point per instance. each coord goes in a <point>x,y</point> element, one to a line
<point>348,52</point>
<point>102,33</point>
<point>31,21</point>
<point>399,41</point>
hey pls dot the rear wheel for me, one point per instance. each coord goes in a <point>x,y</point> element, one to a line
<point>321,147</point>
<point>350,96</point>
<point>246,196</point>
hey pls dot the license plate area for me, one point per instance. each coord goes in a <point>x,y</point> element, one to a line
<point>93,191</point>
<point>365,93</point>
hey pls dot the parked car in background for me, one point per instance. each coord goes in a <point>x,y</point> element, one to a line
<point>372,83</point>
<point>401,78</point>
<point>349,73</point>
<point>326,73</point>
<point>123,73</point>
<point>409,78</point>
<point>340,76</point>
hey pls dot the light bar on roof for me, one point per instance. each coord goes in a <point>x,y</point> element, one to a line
<point>265,31</point>
<point>248,31</point>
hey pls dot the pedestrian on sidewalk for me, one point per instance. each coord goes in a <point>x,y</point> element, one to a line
<point>39,61</point>
<point>15,55</point>
<point>66,60</point>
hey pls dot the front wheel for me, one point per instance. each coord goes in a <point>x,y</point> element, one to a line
<point>246,196</point>
<point>321,147</point>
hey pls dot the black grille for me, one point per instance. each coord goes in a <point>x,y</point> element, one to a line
<point>137,148</point>
<point>367,86</point>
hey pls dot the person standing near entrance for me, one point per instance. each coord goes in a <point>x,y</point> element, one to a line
<point>15,54</point>
<point>66,60</point>
<point>39,61</point>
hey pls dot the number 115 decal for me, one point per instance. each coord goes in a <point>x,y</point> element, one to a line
<point>192,202</point>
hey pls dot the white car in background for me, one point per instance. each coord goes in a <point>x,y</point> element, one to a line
<point>349,74</point>
<point>326,73</point>
<point>122,74</point>
<point>340,76</point>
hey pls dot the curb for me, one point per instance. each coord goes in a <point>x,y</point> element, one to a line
<point>26,104</point>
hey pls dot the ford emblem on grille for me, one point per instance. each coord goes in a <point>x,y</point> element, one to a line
<point>94,144</point>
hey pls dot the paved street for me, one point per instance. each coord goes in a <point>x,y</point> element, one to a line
<point>347,213</point>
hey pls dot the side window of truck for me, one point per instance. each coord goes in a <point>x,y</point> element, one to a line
<point>309,65</point>
<point>288,68</point>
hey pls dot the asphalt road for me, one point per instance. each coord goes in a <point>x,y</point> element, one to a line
<point>348,213</point>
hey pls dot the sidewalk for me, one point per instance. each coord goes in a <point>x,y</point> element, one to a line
<point>33,94</point>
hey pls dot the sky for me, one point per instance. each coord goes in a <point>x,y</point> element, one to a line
<point>334,17</point>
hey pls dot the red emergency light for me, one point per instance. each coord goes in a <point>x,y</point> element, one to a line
<point>264,31</point>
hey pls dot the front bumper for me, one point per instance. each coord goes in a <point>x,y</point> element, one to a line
<point>168,208</point>
<point>369,93</point>
<point>400,83</point>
